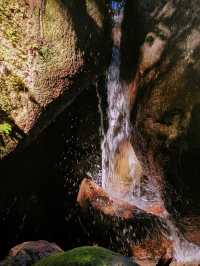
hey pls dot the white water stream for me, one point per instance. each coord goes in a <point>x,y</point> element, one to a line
<point>119,163</point>
<point>121,170</point>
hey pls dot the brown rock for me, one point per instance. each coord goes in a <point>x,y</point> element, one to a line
<point>154,249</point>
<point>167,75</point>
<point>46,56</point>
<point>27,253</point>
<point>91,194</point>
<point>138,231</point>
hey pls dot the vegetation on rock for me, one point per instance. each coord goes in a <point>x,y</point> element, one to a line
<point>86,256</point>
<point>46,48</point>
<point>5,128</point>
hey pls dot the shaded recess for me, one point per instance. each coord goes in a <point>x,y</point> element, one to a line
<point>32,203</point>
<point>131,39</point>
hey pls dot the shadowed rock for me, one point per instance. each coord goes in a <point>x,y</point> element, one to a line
<point>168,74</point>
<point>27,253</point>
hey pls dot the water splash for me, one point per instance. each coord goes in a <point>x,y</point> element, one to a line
<point>183,250</point>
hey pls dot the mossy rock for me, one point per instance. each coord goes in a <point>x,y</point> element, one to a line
<point>86,256</point>
<point>47,49</point>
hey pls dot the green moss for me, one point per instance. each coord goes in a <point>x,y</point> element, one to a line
<point>83,256</point>
<point>58,34</point>
<point>44,51</point>
<point>5,132</point>
<point>10,83</point>
<point>5,128</point>
<point>10,12</point>
<point>5,104</point>
<point>11,34</point>
<point>17,83</point>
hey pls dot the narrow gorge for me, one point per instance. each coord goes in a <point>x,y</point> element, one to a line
<point>99,114</point>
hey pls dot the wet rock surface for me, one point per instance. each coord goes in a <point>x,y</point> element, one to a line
<point>168,94</point>
<point>138,233</point>
<point>154,263</point>
<point>132,231</point>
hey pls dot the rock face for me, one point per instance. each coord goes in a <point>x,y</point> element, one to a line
<point>168,78</point>
<point>90,193</point>
<point>47,48</point>
<point>86,256</point>
<point>131,230</point>
<point>28,253</point>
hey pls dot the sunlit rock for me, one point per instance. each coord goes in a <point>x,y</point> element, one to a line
<point>48,51</point>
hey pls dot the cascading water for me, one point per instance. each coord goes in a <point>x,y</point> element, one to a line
<point>121,170</point>
<point>183,250</point>
<point>119,163</point>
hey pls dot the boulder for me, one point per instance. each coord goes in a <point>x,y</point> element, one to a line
<point>87,256</point>
<point>91,193</point>
<point>139,233</point>
<point>49,51</point>
<point>27,253</point>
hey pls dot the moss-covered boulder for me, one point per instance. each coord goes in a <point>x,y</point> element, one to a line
<point>86,256</point>
<point>48,50</point>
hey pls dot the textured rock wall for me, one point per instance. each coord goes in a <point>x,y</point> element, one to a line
<point>48,49</point>
<point>168,86</point>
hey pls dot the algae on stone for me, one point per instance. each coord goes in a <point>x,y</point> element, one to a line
<point>5,128</point>
<point>86,256</point>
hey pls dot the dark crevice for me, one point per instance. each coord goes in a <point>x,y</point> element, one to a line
<point>32,203</point>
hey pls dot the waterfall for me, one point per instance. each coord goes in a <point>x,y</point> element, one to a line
<point>119,162</point>
<point>121,171</point>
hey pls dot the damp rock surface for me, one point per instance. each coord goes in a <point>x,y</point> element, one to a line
<point>155,263</point>
<point>86,256</point>
<point>168,92</point>
<point>132,231</point>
